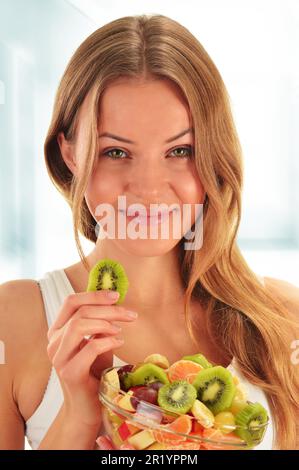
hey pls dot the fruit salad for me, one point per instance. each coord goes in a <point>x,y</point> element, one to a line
<point>190,404</point>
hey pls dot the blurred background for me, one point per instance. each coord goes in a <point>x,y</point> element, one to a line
<point>253,44</point>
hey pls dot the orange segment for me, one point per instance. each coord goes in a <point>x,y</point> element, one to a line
<point>220,439</point>
<point>183,424</point>
<point>197,428</point>
<point>184,370</point>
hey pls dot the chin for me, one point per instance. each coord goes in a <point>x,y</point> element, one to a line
<point>147,248</point>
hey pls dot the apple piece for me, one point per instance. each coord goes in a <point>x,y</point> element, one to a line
<point>126,430</point>
<point>157,446</point>
<point>142,439</point>
<point>125,402</point>
<point>114,419</point>
<point>111,383</point>
<point>116,440</point>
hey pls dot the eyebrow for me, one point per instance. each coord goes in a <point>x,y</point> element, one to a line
<point>123,139</point>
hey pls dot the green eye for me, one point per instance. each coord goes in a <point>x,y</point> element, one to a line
<point>188,152</point>
<point>185,152</point>
<point>112,157</point>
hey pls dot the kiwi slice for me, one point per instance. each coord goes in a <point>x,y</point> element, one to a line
<point>109,274</point>
<point>177,397</point>
<point>200,359</point>
<point>215,388</point>
<point>252,420</point>
<point>148,373</point>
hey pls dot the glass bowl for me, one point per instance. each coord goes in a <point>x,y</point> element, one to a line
<point>148,426</point>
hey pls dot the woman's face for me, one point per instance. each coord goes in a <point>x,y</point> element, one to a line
<point>150,169</point>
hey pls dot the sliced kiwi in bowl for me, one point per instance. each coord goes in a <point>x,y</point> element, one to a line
<point>177,397</point>
<point>215,388</point>
<point>148,373</point>
<point>199,359</point>
<point>108,274</point>
<point>251,423</point>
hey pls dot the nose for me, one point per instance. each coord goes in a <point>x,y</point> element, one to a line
<point>148,179</point>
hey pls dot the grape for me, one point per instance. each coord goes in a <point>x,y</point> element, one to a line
<point>156,385</point>
<point>136,387</point>
<point>146,394</point>
<point>124,369</point>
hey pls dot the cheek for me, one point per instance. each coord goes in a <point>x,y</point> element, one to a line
<point>189,188</point>
<point>102,188</point>
<point>190,192</point>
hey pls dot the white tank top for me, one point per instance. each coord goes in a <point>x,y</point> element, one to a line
<point>55,286</point>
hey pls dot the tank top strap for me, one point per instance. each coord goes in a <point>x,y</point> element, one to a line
<point>55,287</point>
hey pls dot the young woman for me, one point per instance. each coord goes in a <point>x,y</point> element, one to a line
<point>151,88</point>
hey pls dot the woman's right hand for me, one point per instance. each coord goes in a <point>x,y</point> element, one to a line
<point>72,355</point>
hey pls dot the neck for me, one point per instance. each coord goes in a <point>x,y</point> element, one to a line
<point>154,281</point>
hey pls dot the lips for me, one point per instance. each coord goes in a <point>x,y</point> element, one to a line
<point>151,215</point>
<point>152,218</point>
<point>148,214</point>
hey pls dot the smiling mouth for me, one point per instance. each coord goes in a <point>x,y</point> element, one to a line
<point>157,218</point>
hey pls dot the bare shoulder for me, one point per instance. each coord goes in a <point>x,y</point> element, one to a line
<point>12,292</point>
<point>21,318</point>
<point>285,291</point>
<point>22,324</point>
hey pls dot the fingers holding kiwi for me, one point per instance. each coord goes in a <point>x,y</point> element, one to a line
<point>109,275</point>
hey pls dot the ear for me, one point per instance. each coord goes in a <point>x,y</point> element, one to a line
<point>67,150</point>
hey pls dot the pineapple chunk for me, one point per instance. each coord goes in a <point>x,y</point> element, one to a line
<point>142,439</point>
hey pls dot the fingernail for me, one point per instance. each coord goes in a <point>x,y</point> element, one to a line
<point>113,294</point>
<point>117,328</point>
<point>132,314</point>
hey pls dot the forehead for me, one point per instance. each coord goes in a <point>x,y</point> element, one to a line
<point>156,106</point>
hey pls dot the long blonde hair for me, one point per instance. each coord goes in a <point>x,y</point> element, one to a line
<point>243,319</point>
